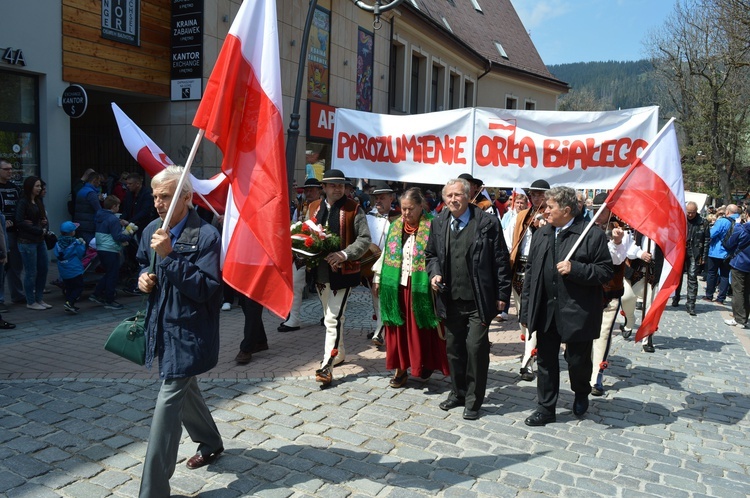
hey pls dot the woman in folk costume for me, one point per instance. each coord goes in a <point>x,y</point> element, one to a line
<point>406,307</point>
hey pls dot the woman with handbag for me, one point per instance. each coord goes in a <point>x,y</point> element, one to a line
<point>31,220</point>
<point>406,305</point>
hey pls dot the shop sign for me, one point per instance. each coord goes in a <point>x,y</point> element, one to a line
<point>121,21</point>
<point>187,49</point>
<point>74,101</point>
<point>320,120</point>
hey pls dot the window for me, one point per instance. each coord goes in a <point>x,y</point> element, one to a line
<point>397,77</point>
<point>500,49</point>
<point>437,88</point>
<point>415,83</point>
<point>469,94</point>
<point>511,103</point>
<point>453,91</point>
<point>530,105</point>
<point>19,123</point>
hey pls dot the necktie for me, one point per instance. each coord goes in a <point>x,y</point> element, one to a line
<point>554,246</point>
<point>455,224</point>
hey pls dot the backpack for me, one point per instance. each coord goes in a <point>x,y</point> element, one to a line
<point>725,240</point>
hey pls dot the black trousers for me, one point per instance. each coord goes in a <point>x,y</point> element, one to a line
<point>468,348</point>
<point>740,296</point>
<point>691,268</point>
<point>255,332</point>
<point>578,356</point>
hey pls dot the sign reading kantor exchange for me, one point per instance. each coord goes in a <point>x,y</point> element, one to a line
<point>121,21</point>
<point>187,49</point>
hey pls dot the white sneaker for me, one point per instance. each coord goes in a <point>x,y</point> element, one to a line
<point>46,306</point>
<point>504,316</point>
<point>35,306</point>
<point>731,322</point>
<point>226,307</point>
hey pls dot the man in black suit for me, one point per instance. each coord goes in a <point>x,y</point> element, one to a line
<point>562,300</point>
<point>469,268</point>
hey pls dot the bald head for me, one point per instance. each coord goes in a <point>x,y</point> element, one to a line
<point>732,209</point>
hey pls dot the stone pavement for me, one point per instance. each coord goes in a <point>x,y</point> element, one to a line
<point>74,418</point>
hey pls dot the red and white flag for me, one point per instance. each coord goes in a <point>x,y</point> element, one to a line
<point>152,159</point>
<point>241,112</point>
<point>651,199</point>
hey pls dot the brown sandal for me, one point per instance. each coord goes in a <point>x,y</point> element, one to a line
<point>399,380</point>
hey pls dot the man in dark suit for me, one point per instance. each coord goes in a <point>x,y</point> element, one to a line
<point>469,268</point>
<point>562,300</point>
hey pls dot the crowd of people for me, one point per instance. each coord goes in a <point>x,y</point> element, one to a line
<point>440,268</point>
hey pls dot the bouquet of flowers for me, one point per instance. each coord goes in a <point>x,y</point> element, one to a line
<point>312,242</point>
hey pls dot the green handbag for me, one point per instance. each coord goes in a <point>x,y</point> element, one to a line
<point>129,339</point>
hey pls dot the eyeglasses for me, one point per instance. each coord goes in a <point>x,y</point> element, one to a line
<point>7,169</point>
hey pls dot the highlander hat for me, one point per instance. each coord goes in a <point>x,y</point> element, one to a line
<point>471,179</point>
<point>312,182</point>
<point>334,176</point>
<point>540,185</point>
<point>599,200</point>
<point>381,188</point>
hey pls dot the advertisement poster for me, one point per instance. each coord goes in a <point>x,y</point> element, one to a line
<point>317,56</point>
<point>365,43</point>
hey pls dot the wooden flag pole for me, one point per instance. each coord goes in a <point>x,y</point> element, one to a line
<point>185,172</point>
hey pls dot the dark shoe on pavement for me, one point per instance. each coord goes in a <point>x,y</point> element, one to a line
<point>527,374</point>
<point>691,311</point>
<point>286,328</point>
<point>597,391</point>
<point>263,346</point>
<point>133,291</point>
<point>580,405</point>
<point>648,348</point>
<point>426,374</point>
<point>96,299</point>
<point>470,414</point>
<point>451,403</point>
<point>197,461</point>
<point>399,380</point>
<point>675,304</point>
<point>378,341</point>
<point>707,299</point>
<point>243,357</point>
<point>538,419</point>
<point>324,376</point>
<point>6,325</point>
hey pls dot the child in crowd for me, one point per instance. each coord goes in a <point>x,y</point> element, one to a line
<point>69,253</point>
<point>110,238</point>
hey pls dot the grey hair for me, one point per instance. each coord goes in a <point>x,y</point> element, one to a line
<point>414,194</point>
<point>173,174</point>
<point>564,197</point>
<point>464,183</point>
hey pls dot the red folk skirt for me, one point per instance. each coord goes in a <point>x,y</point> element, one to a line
<point>409,346</point>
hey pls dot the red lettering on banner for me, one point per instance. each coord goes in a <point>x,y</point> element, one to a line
<point>586,154</point>
<point>501,151</point>
<point>428,149</point>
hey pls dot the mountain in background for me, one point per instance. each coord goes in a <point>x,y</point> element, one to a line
<point>613,84</point>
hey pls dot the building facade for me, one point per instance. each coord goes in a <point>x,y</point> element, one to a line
<point>153,57</point>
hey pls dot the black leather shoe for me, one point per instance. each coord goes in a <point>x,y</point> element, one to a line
<point>286,328</point>
<point>538,419</point>
<point>259,347</point>
<point>691,311</point>
<point>243,357</point>
<point>451,403</point>
<point>580,405</point>
<point>527,374</point>
<point>648,348</point>
<point>597,391</point>
<point>470,414</point>
<point>675,304</point>
<point>197,461</point>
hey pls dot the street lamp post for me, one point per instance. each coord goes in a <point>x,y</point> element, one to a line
<point>378,8</point>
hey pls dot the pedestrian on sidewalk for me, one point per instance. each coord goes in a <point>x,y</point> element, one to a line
<point>110,238</point>
<point>69,252</point>
<point>739,245</point>
<point>182,329</point>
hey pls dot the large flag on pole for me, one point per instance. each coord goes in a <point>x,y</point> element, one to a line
<point>241,112</point>
<point>651,198</point>
<point>152,159</point>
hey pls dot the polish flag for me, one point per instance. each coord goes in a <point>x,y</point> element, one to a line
<point>152,159</point>
<point>241,112</point>
<point>651,199</point>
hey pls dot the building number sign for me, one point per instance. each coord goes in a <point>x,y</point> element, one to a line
<point>14,57</point>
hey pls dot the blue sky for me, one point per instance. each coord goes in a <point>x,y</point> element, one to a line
<point>566,31</point>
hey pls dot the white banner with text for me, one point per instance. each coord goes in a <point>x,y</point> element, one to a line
<point>502,147</point>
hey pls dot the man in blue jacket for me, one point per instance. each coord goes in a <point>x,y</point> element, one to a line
<point>182,329</point>
<point>718,265</point>
<point>739,244</point>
